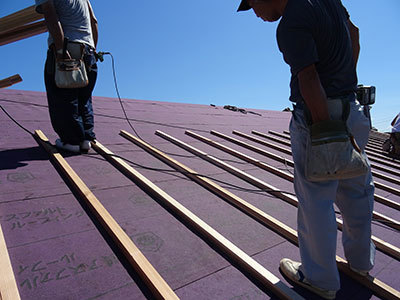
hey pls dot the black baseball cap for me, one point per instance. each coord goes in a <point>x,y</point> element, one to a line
<point>244,6</point>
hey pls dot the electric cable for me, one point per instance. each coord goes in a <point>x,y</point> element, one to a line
<point>15,121</point>
<point>171,172</point>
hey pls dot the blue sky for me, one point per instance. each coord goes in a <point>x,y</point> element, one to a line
<point>204,52</point>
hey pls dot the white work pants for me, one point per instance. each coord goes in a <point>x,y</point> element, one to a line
<point>317,228</point>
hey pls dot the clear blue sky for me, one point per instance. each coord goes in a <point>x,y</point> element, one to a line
<point>204,52</point>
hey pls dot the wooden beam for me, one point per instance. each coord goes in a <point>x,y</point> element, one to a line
<point>22,32</point>
<point>8,285</point>
<point>290,163</point>
<point>19,18</point>
<point>9,81</point>
<point>378,287</point>
<point>246,263</point>
<point>156,284</point>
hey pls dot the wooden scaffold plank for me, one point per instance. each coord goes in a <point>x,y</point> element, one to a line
<point>381,289</point>
<point>156,284</point>
<point>8,285</point>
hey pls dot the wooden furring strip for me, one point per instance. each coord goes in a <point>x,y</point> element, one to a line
<point>22,32</point>
<point>378,287</point>
<point>247,263</point>
<point>371,156</point>
<point>8,285</point>
<point>156,284</point>
<point>9,81</point>
<point>290,163</point>
<point>379,185</point>
<point>262,185</point>
<point>376,174</point>
<point>19,18</point>
<point>381,245</point>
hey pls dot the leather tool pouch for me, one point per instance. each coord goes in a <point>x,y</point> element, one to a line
<point>332,152</point>
<point>71,73</point>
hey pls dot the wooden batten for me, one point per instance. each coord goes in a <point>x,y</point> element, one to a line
<point>19,18</point>
<point>156,284</point>
<point>241,259</point>
<point>10,81</point>
<point>22,32</point>
<point>8,285</point>
<point>379,288</point>
<point>290,163</point>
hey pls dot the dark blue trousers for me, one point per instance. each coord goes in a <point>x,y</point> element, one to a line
<point>71,111</point>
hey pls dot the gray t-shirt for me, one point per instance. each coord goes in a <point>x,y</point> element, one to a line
<point>316,32</point>
<point>74,17</point>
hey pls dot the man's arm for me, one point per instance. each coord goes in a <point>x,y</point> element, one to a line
<point>355,40</point>
<point>313,93</point>
<point>54,26</point>
<point>93,23</point>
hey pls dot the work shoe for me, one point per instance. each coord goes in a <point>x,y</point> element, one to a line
<point>85,146</point>
<point>290,269</point>
<point>67,147</point>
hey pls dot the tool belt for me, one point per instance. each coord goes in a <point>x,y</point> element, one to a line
<point>332,152</point>
<point>71,73</point>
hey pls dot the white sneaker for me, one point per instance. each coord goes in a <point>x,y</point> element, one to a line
<point>67,147</point>
<point>291,270</point>
<point>85,146</point>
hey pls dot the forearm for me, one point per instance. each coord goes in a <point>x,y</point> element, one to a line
<point>355,40</point>
<point>313,93</point>
<point>53,24</point>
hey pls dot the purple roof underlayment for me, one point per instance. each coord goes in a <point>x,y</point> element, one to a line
<point>57,252</point>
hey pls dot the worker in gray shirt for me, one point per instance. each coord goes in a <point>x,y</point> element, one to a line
<point>73,33</point>
<point>321,45</point>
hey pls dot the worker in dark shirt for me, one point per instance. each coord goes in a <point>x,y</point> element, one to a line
<point>321,45</point>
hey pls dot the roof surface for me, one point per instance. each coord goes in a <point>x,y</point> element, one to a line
<point>58,251</point>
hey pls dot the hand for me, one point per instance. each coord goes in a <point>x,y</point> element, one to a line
<point>61,56</point>
<point>325,132</point>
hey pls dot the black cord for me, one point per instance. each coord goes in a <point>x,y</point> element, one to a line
<point>12,119</point>
<point>262,192</point>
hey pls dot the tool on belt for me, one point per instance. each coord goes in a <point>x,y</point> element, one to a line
<point>332,152</point>
<point>71,73</point>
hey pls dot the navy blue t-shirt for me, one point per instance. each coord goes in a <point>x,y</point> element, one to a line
<point>316,32</point>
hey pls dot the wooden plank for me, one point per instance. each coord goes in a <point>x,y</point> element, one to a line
<point>378,287</point>
<point>377,184</point>
<point>22,32</point>
<point>19,18</point>
<point>9,81</point>
<point>8,285</point>
<point>245,262</point>
<point>290,163</point>
<point>156,284</point>
<point>379,175</point>
<point>371,156</point>
<point>377,216</point>
<point>381,245</point>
